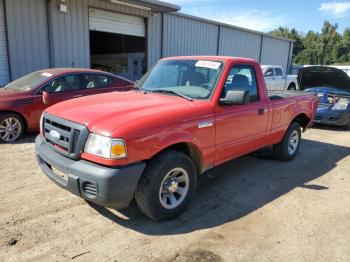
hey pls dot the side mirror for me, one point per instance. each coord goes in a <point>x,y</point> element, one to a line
<point>235,97</point>
<point>269,73</point>
<point>46,98</point>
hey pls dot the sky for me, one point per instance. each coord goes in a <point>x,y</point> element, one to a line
<point>266,15</point>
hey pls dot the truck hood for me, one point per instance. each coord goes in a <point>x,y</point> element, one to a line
<point>105,113</point>
<point>323,76</point>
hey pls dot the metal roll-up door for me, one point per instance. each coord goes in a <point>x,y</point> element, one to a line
<point>111,22</point>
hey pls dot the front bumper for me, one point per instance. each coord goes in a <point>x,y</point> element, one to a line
<point>105,186</point>
<point>334,118</point>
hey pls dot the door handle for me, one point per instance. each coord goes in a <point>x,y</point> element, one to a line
<point>261,111</point>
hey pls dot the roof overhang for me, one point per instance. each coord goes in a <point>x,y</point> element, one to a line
<point>151,5</point>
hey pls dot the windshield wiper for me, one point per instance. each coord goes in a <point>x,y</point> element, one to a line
<point>167,91</point>
<point>140,88</point>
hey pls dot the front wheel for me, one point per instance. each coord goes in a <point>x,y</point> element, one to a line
<point>167,185</point>
<point>11,127</point>
<point>288,148</point>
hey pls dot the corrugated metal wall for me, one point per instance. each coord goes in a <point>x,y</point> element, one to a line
<point>187,36</point>
<point>28,40</point>
<point>40,38</point>
<point>275,52</point>
<point>4,67</point>
<point>70,31</point>
<point>234,42</point>
<point>154,42</point>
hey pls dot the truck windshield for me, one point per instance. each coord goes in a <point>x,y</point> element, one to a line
<point>194,79</point>
<point>28,82</point>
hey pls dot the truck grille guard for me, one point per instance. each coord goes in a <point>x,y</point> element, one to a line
<point>65,137</point>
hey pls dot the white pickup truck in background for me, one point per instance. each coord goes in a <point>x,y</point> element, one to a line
<point>277,80</point>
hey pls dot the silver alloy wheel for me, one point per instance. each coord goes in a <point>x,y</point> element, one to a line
<point>174,188</point>
<point>293,142</point>
<point>10,129</point>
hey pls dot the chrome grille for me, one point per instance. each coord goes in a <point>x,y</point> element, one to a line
<point>66,137</point>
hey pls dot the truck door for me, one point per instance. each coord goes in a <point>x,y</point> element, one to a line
<point>269,76</point>
<point>280,79</point>
<point>241,128</point>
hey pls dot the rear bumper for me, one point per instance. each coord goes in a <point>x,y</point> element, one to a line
<point>105,186</point>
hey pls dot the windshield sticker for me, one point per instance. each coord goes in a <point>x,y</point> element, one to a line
<point>47,74</point>
<point>208,64</point>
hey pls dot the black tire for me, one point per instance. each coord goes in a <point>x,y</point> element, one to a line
<point>15,117</point>
<point>292,87</point>
<point>148,196</point>
<point>281,150</point>
<point>347,126</point>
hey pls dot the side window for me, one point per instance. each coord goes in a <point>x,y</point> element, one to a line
<point>269,72</point>
<point>242,77</point>
<point>66,83</point>
<point>278,71</point>
<point>95,81</point>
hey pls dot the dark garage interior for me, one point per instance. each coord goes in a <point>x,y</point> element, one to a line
<point>123,55</point>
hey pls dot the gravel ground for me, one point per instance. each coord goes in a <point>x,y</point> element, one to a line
<point>250,209</point>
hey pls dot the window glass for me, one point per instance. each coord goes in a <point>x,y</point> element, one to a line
<point>242,77</point>
<point>66,83</point>
<point>29,82</point>
<point>278,72</point>
<point>269,72</point>
<point>95,81</point>
<point>195,79</point>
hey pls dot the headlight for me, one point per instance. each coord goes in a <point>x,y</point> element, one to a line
<point>106,147</point>
<point>341,105</point>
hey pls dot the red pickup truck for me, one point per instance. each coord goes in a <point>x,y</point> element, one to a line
<point>186,116</point>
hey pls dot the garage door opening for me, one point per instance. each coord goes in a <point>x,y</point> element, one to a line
<point>117,43</point>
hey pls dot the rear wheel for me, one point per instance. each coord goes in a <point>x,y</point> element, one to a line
<point>11,127</point>
<point>289,146</point>
<point>167,185</point>
<point>292,87</point>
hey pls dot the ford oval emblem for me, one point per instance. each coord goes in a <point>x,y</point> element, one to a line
<point>55,135</point>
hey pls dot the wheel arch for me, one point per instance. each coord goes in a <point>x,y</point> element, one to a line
<point>303,120</point>
<point>19,115</point>
<point>292,84</point>
<point>189,149</point>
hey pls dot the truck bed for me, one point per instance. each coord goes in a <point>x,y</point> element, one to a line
<point>277,94</point>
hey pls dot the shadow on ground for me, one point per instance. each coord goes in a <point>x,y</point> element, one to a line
<point>330,128</point>
<point>238,188</point>
<point>26,139</point>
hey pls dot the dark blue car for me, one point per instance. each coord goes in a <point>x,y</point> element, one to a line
<point>333,89</point>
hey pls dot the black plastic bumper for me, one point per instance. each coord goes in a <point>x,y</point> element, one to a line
<point>105,186</point>
<point>334,118</point>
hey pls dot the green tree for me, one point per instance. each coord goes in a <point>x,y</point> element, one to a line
<point>324,48</point>
<point>292,34</point>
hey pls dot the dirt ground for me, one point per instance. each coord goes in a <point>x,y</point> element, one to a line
<point>250,209</point>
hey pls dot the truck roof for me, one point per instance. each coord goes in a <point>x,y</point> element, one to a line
<point>214,58</point>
